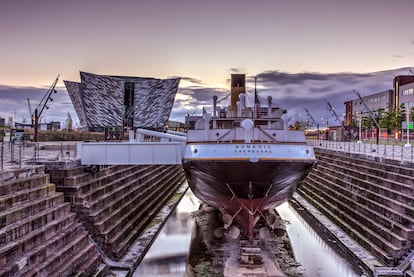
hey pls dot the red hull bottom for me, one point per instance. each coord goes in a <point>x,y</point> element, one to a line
<point>245,191</point>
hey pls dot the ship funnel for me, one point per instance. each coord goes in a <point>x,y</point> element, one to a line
<point>269,106</point>
<point>238,86</point>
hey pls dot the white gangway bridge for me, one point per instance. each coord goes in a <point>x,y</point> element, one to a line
<point>145,148</point>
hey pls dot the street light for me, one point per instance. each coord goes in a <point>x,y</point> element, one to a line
<point>359,116</point>
<point>408,127</point>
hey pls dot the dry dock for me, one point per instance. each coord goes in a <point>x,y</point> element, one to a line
<point>60,218</point>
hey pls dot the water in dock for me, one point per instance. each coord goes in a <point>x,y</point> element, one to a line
<point>311,251</point>
<point>168,256</point>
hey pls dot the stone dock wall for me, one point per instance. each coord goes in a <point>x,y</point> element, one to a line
<point>63,219</point>
<point>370,199</point>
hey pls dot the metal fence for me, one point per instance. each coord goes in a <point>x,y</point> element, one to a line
<point>16,154</point>
<point>399,153</point>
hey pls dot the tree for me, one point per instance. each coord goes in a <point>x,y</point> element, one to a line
<point>389,121</point>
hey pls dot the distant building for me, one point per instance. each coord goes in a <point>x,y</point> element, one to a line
<point>406,94</point>
<point>398,82</point>
<point>102,101</point>
<point>402,93</point>
<point>53,125</point>
<point>375,102</point>
<point>2,122</point>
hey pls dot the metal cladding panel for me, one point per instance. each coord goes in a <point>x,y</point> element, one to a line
<point>103,99</point>
<point>154,99</point>
<point>75,93</point>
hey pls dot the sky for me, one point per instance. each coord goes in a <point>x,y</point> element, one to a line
<point>303,52</point>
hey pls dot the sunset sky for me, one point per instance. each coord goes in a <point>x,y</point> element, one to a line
<point>203,42</point>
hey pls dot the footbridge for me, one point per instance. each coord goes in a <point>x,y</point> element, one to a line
<point>145,147</point>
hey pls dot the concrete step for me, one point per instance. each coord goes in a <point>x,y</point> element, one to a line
<point>70,254</point>
<point>11,250</point>
<point>82,262</point>
<point>125,214</point>
<point>10,200</point>
<point>108,206</point>
<point>329,210</point>
<point>30,182</point>
<point>135,179</point>
<point>367,206</point>
<point>119,243</point>
<point>38,221</point>
<point>86,180</point>
<point>373,168</point>
<point>93,266</point>
<point>29,208</point>
<point>367,220</point>
<point>360,160</point>
<point>38,254</point>
<point>371,194</point>
<point>59,176</point>
<point>93,198</point>
<point>368,233</point>
<point>21,173</point>
<point>404,189</point>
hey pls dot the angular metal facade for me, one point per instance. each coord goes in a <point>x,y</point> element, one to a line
<point>99,100</point>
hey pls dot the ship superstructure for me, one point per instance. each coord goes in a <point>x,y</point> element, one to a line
<point>243,160</point>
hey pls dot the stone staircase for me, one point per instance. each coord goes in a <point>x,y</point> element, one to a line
<point>39,235</point>
<point>116,203</point>
<point>372,201</point>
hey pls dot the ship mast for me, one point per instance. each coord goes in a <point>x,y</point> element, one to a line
<point>256,99</point>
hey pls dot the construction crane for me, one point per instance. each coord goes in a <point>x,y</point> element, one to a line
<point>42,105</point>
<point>331,109</point>
<point>30,111</point>
<point>311,117</point>
<point>370,114</point>
<point>314,122</point>
<point>334,113</point>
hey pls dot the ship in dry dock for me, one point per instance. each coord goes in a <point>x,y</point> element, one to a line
<point>244,161</point>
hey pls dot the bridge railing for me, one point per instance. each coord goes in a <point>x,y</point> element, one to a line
<point>399,153</point>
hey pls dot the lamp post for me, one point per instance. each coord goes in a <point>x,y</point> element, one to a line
<point>408,127</point>
<point>359,116</point>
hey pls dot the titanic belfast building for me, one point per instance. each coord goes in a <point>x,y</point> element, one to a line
<point>102,101</point>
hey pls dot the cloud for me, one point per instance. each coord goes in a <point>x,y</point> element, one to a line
<point>291,91</point>
<point>190,80</point>
<point>296,91</point>
<point>13,103</point>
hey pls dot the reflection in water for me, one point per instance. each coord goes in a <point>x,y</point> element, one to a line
<point>315,255</point>
<point>168,255</point>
